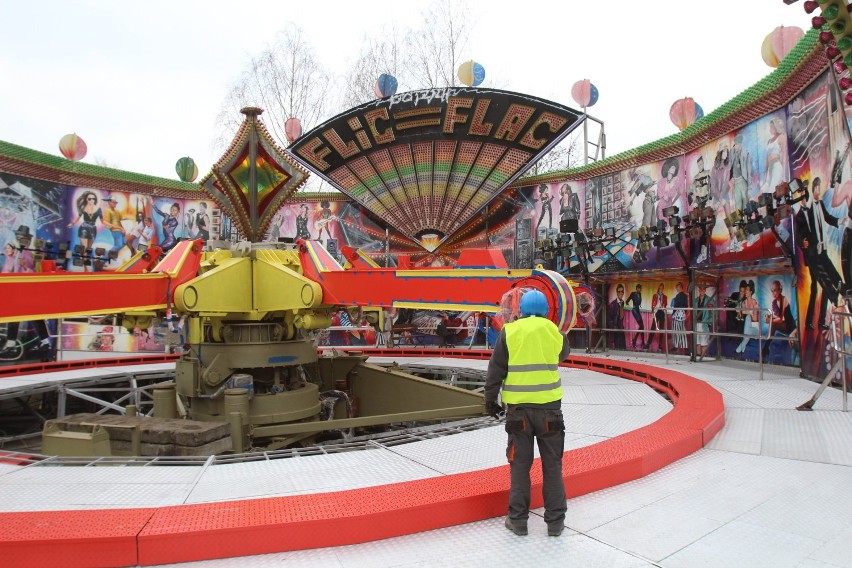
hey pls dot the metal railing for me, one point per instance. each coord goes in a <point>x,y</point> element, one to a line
<point>689,333</point>
<point>841,331</point>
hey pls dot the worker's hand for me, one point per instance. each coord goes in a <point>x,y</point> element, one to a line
<point>493,409</point>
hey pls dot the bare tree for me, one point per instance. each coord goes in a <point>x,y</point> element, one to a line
<point>436,49</point>
<point>565,155</point>
<point>377,56</point>
<point>286,80</point>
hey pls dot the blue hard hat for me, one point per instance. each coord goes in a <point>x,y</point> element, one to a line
<point>533,303</point>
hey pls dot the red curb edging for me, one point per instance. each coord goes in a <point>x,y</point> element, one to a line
<point>257,526</point>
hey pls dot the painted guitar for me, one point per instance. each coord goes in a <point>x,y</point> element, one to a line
<point>318,225</point>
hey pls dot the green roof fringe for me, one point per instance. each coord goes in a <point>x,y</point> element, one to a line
<point>15,152</point>
<point>690,136</point>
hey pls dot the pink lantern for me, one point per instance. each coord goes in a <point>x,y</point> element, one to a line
<point>72,147</point>
<point>292,129</point>
<point>585,94</point>
<point>778,44</point>
<point>684,112</point>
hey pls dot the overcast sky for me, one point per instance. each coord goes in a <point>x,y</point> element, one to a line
<point>142,82</point>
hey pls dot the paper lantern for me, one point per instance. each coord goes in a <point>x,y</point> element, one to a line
<point>471,73</point>
<point>684,112</point>
<point>186,169</point>
<point>72,147</point>
<point>778,44</point>
<point>386,86</point>
<point>585,94</point>
<point>292,129</point>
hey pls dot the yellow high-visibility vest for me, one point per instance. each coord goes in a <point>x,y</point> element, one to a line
<point>534,345</point>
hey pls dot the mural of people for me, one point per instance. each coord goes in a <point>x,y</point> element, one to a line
<point>680,301</point>
<point>593,189</point>
<point>569,203</point>
<point>781,320</point>
<point>202,223</point>
<point>812,222</point>
<point>275,227</point>
<point>170,226</point>
<point>545,199</point>
<point>670,187</point>
<point>144,209</point>
<point>325,218</point>
<point>740,174</point>
<point>659,303</point>
<point>842,196</point>
<point>698,197</point>
<point>112,219</point>
<point>302,223</point>
<point>641,184</point>
<point>635,298</point>
<point>615,318</point>
<point>749,311</point>
<point>720,190</point>
<point>10,258</point>
<point>88,215</point>
<point>699,191</point>
<point>15,348</point>
<point>776,169</point>
<point>703,320</point>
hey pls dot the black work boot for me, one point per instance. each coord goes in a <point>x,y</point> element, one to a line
<point>520,530</point>
<point>555,530</point>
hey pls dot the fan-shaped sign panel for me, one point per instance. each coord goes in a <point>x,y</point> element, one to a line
<point>427,161</point>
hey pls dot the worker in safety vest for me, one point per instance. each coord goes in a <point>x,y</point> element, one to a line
<point>525,364</point>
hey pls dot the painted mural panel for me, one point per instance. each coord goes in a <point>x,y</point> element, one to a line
<point>820,153</point>
<point>104,229</point>
<point>764,309</point>
<point>649,315</point>
<point>100,230</point>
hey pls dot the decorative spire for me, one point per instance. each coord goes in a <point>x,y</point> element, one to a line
<point>253,177</point>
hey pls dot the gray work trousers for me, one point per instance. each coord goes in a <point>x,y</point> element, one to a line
<point>523,424</point>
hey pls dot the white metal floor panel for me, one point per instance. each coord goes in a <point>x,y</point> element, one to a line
<point>774,488</point>
<point>13,383</point>
<point>742,433</point>
<point>332,472</point>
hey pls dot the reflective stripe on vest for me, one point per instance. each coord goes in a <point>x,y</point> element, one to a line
<point>534,345</point>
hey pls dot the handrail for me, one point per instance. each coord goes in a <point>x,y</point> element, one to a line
<point>838,345</point>
<point>761,337</point>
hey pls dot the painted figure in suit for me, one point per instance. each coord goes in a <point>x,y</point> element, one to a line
<point>615,318</point>
<point>812,223</point>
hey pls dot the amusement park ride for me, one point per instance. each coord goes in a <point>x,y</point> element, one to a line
<point>244,313</point>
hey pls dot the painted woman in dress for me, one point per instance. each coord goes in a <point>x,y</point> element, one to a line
<point>670,186</point>
<point>749,311</point>
<point>302,231</point>
<point>88,214</point>
<point>720,189</point>
<point>776,156</point>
